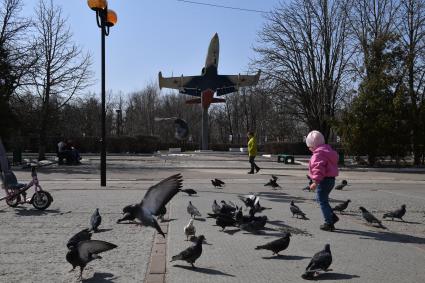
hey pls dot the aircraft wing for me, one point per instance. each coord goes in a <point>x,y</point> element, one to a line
<point>181,83</point>
<point>238,81</point>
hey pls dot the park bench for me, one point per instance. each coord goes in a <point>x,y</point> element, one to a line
<point>285,158</point>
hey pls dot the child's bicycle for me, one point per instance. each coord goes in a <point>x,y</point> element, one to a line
<point>16,193</point>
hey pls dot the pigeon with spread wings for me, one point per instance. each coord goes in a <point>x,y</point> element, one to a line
<point>157,197</point>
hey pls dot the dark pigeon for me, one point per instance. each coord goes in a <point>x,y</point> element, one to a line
<point>398,213</point>
<point>272,183</point>
<point>224,221</point>
<point>227,208</point>
<point>320,262</point>
<point>249,200</point>
<point>297,211</point>
<point>369,217</point>
<point>83,235</point>
<point>161,213</point>
<point>190,192</point>
<point>130,212</point>
<point>342,206</point>
<point>258,223</point>
<point>155,199</point>
<point>191,254</point>
<point>342,185</point>
<point>182,129</point>
<point>217,183</point>
<point>95,221</point>
<point>276,246</point>
<point>85,252</point>
<point>274,177</point>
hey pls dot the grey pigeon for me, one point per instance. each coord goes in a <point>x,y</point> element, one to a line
<point>95,221</point>
<point>216,207</point>
<point>190,192</point>
<point>342,185</point>
<point>80,236</point>
<point>398,213</point>
<point>85,252</point>
<point>189,229</point>
<point>342,206</point>
<point>276,246</point>
<point>130,212</point>
<point>192,210</point>
<point>296,211</point>
<point>369,217</point>
<point>191,254</point>
<point>155,199</point>
<point>320,261</point>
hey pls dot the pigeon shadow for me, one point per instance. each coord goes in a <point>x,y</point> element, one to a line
<point>36,212</point>
<point>203,270</point>
<point>100,277</point>
<point>384,236</point>
<point>200,219</point>
<point>335,276</point>
<point>168,220</point>
<point>400,221</point>
<point>103,230</point>
<point>285,257</point>
<point>231,232</point>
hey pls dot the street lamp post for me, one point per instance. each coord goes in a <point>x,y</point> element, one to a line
<point>105,19</point>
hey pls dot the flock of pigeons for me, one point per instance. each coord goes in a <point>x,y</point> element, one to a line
<point>82,249</point>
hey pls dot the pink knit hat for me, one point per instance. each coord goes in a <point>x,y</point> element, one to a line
<point>314,139</point>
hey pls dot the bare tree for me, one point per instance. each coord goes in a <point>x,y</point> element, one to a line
<point>412,34</point>
<point>62,71</point>
<point>16,58</point>
<point>305,53</point>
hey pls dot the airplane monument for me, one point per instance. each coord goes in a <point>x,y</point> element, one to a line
<point>207,84</point>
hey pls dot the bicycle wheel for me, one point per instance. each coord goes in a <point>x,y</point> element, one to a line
<point>41,200</point>
<point>14,201</point>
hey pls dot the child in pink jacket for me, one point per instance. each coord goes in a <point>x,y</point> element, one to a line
<point>323,168</point>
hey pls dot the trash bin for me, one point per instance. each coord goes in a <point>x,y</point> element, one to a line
<point>17,156</point>
<point>341,158</point>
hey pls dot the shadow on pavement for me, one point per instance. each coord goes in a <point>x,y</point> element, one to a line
<point>231,232</point>
<point>335,276</point>
<point>383,236</point>
<point>36,212</point>
<point>99,277</point>
<point>204,270</point>
<point>103,230</point>
<point>286,257</point>
<point>280,197</point>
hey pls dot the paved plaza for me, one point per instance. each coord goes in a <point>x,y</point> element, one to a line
<point>33,243</point>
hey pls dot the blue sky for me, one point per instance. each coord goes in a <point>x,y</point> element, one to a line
<point>164,35</point>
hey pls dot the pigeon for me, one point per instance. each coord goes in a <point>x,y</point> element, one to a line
<point>342,206</point>
<point>276,246</point>
<point>190,192</point>
<point>161,213</point>
<point>249,200</point>
<point>369,217</point>
<point>257,207</point>
<point>189,229</point>
<point>398,213</point>
<point>191,254</point>
<point>194,239</point>
<point>342,185</point>
<point>217,183</point>
<point>254,225</point>
<point>80,236</point>
<point>95,221</point>
<point>296,211</point>
<point>192,210</point>
<point>216,208</point>
<point>241,219</point>
<point>272,183</point>
<point>86,251</point>
<point>129,212</point>
<point>224,221</point>
<point>320,261</point>
<point>227,208</point>
<point>274,177</point>
<point>155,198</point>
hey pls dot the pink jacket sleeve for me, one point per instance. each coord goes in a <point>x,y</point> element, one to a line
<point>317,168</point>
